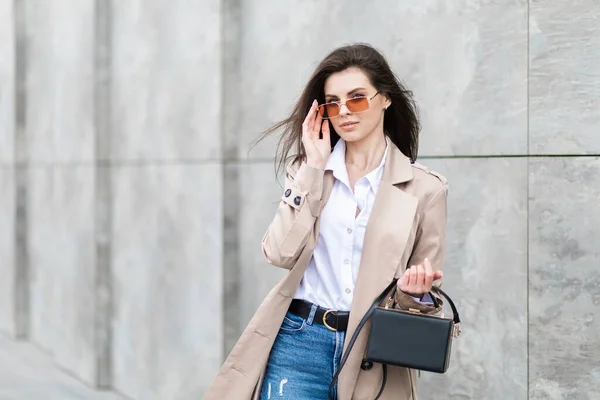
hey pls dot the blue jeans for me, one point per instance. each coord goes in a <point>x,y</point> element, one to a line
<point>303,360</point>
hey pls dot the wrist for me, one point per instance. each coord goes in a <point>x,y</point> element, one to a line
<point>316,165</point>
<point>415,295</point>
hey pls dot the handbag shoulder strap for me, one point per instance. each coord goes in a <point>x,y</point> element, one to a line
<point>361,324</point>
<point>368,314</point>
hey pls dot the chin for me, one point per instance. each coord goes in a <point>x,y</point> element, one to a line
<point>352,136</point>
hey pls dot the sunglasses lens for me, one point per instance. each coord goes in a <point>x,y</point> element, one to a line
<point>330,110</point>
<point>322,111</point>
<point>357,104</point>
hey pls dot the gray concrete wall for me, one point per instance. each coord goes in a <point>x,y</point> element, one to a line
<point>111,203</point>
<point>131,209</point>
<point>167,216</point>
<point>7,169</point>
<point>59,155</point>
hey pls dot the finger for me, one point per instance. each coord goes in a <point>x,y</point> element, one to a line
<point>325,130</point>
<point>307,118</point>
<point>404,282</point>
<point>421,277</point>
<point>317,123</point>
<point>413,276</point>
<point>427,263</point>
<point>307,125</point>
<point>437,275</point>
<point>311,120</point>
<point>428,275</point>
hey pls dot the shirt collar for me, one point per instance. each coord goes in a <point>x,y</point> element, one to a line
<point>337,164</point>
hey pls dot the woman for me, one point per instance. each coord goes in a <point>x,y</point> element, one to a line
<point>355,213</point>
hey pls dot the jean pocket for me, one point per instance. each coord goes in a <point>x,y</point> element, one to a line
<point>292,324</point>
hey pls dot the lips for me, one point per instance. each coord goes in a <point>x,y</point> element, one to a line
<point>348,124</point>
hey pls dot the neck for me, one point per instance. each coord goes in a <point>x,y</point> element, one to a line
<point>367,153</point>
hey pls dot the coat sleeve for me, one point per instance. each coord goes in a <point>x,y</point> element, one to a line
<point>430,242</point>
<point>298,209</point>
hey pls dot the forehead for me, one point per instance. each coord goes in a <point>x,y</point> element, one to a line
<point>340,83</point>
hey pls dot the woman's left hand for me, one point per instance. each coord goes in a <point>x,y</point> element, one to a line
<point>418,279</point>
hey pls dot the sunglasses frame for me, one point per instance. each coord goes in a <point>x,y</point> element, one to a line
<point>339,103</point>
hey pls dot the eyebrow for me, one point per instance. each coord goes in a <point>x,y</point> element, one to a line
<point>349,93</point>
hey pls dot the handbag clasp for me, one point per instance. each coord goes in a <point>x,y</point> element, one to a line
<point>457,330</point>
<point>389,302</point>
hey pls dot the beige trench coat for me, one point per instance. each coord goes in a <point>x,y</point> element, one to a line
<point>407,224</point>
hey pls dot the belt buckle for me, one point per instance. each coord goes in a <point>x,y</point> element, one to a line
<point>325,320</point>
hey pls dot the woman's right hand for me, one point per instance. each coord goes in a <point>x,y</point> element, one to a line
<point>317,150</point>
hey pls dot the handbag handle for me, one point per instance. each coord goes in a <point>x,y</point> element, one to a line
<point>368,315</point>
<point>455,318</point>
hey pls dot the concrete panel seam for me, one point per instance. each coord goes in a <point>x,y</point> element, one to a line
<point>508,156</point>
<point>22,289</point>
<point>527,227</point>
<point>230,53</point>
<point>235,161</point>
<point>117,163</point>
<point>103,196</point>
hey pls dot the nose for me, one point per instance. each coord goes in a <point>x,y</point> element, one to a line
<point>344,109</point>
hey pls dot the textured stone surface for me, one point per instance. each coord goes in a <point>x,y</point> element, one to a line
<point>7,82</point>
<point>232,264</point>
<point>60,80</point>
<point>7,247</point>
<point>564,77</point>
<point>486,275</point>
<point>466,62</point>
<point>167,260</point>
<point>261,194</point>
<point>28,374</point>
<point>166,93</point>
<point>61,251</point>
<point>564,272</point>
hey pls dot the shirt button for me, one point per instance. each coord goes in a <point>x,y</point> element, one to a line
<point>346,261</point>
<point>348,291</point>
<point>349,230</point>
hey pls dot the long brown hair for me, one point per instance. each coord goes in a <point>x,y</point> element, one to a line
<point>400,124</point>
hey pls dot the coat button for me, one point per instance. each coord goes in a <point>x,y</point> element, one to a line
<point>297,200</point>
<point>288,192</point>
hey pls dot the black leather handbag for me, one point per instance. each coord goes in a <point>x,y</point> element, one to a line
<point>405,338</point>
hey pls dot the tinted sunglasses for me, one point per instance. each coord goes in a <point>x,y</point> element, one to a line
<point>354,104</point>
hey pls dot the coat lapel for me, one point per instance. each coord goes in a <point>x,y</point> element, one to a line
<point>387,234</point>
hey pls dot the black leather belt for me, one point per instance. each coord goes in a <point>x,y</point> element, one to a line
<point>332,319</point>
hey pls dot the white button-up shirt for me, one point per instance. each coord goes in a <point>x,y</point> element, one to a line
<point>330,278</point>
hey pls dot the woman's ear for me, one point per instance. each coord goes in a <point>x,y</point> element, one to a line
<point>387,102</point>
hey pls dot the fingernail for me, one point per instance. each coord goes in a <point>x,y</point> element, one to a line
<point>426,259</point>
